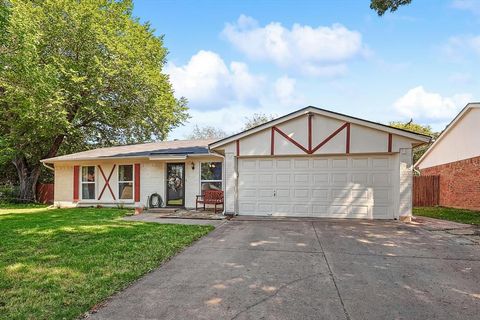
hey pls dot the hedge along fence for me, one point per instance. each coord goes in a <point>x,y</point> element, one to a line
<point>11,193</point>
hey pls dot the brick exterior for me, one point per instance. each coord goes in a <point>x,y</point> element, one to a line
<point>459,183</point>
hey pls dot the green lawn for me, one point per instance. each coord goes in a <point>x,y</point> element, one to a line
<point>456,215</point>
<point>59,263</point>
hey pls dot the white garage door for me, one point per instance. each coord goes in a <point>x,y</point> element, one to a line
<point>336,187</point>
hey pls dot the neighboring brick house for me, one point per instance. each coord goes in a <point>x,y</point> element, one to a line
<point>455,157</point>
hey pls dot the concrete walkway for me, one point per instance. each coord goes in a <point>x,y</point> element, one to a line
<point>153,217</point>
<point>320,269</point>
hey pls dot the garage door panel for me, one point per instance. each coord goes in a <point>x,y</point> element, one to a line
<point>301,194</point>
<point>245,193</point>
<point>283,164</point>
<point>320,163</point>
<point>283,193</point>
<point>361,163</point>
<point>301,179</point>
<point>301,163</point>
<point>381,179</point>
<point>339,178</point>
<point>340,187</point>
<point>339,163</point>
<point>283,178</point>
<point>320,194</point>
<point>265,193</point>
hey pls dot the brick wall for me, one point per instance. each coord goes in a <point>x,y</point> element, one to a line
<point>459,183</point>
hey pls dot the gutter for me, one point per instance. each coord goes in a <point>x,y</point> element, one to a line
<point>47,166</point>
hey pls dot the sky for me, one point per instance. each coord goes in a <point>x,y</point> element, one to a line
<point>234,58</point>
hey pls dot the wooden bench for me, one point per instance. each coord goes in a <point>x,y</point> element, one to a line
<point>214,197</point>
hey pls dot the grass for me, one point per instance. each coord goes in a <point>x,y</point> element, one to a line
<point>451,214</point>
<point>59,263</point>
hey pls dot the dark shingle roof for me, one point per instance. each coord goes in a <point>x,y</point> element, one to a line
<point>176,147</point>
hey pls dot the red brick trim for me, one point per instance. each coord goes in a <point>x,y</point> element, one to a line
<point>76,183</point>
<point>137,182</point>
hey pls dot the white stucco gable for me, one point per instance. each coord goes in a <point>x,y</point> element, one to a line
<point>317,131</point>
<point>459,141</point>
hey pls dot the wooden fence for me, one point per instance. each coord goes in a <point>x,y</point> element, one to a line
<point>45,193</point>
<point>426,191</point>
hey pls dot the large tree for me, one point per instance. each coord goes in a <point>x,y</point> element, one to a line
<point>78,74</point>
<point>206,132</point>
<point>382,6</point>
<point>257,119</point>
<point>415,127</point>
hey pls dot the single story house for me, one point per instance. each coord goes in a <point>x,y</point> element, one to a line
<point>309,163</point>
<point>455,157</point>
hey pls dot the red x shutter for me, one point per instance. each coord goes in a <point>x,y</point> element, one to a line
<point>107,182</point>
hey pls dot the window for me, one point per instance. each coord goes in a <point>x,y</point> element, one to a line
<point>88,183</point>
<point>125,182</point>
<point>211,176</point>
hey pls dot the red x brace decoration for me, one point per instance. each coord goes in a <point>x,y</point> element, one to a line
<point>311,149</point>
<point>107,182</point>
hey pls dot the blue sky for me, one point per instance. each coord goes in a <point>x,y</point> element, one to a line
<point>235,58</point>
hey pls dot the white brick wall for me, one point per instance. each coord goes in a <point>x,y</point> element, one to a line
<point>406,183</point>
<point>230,182</point>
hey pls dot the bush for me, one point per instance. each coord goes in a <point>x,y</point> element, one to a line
<point>9,193</point>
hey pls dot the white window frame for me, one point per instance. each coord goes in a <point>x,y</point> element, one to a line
<point>202,181</point>
<point>88,182</point>
<point>126,181</point>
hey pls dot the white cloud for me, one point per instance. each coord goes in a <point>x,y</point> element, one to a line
<point>424,106</point>
<point>285,92</point>
<point>207,81</point>
<point>222,94</point>
<point>458,47</point>
<point>319,51</point>
<point>469,5</point>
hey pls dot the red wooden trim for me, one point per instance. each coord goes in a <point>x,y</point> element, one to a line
<point>321,144</point>
<point>272,142</point>
<point>107,182</point>
<point>310,116</point>
<point>137,182</point>
<point>347,143</point>
<point>291,140</point>
<point>238,147</point>
<point>76,183</point>
<point>390,142</point>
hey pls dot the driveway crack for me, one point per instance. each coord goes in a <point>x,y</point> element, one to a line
<point>347,316</point>
<point>283,286</point>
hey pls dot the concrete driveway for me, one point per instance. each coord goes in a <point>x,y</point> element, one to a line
<point>310,269</point>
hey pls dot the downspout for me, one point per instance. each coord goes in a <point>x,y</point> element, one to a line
<point>223,174</point>
<point>48,167</point>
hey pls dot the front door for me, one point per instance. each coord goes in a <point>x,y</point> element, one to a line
<point>176,184</point>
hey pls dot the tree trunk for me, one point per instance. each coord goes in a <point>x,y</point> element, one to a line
<point>29,174</point>
<point>28,178</point>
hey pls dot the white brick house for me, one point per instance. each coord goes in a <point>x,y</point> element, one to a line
<point>312,162</point>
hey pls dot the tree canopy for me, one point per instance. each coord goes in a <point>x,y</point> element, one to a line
<point>418,128</point>
<point>76,75</point>
<point>257,119</point>
<point>207,132</point>
<point>382,6</point>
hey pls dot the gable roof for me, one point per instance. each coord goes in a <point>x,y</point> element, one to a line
<point>447,129</point>
<point>420,138</point>
<point>144,150</point>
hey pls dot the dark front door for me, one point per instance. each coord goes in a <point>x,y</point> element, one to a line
<point>176,184</point>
